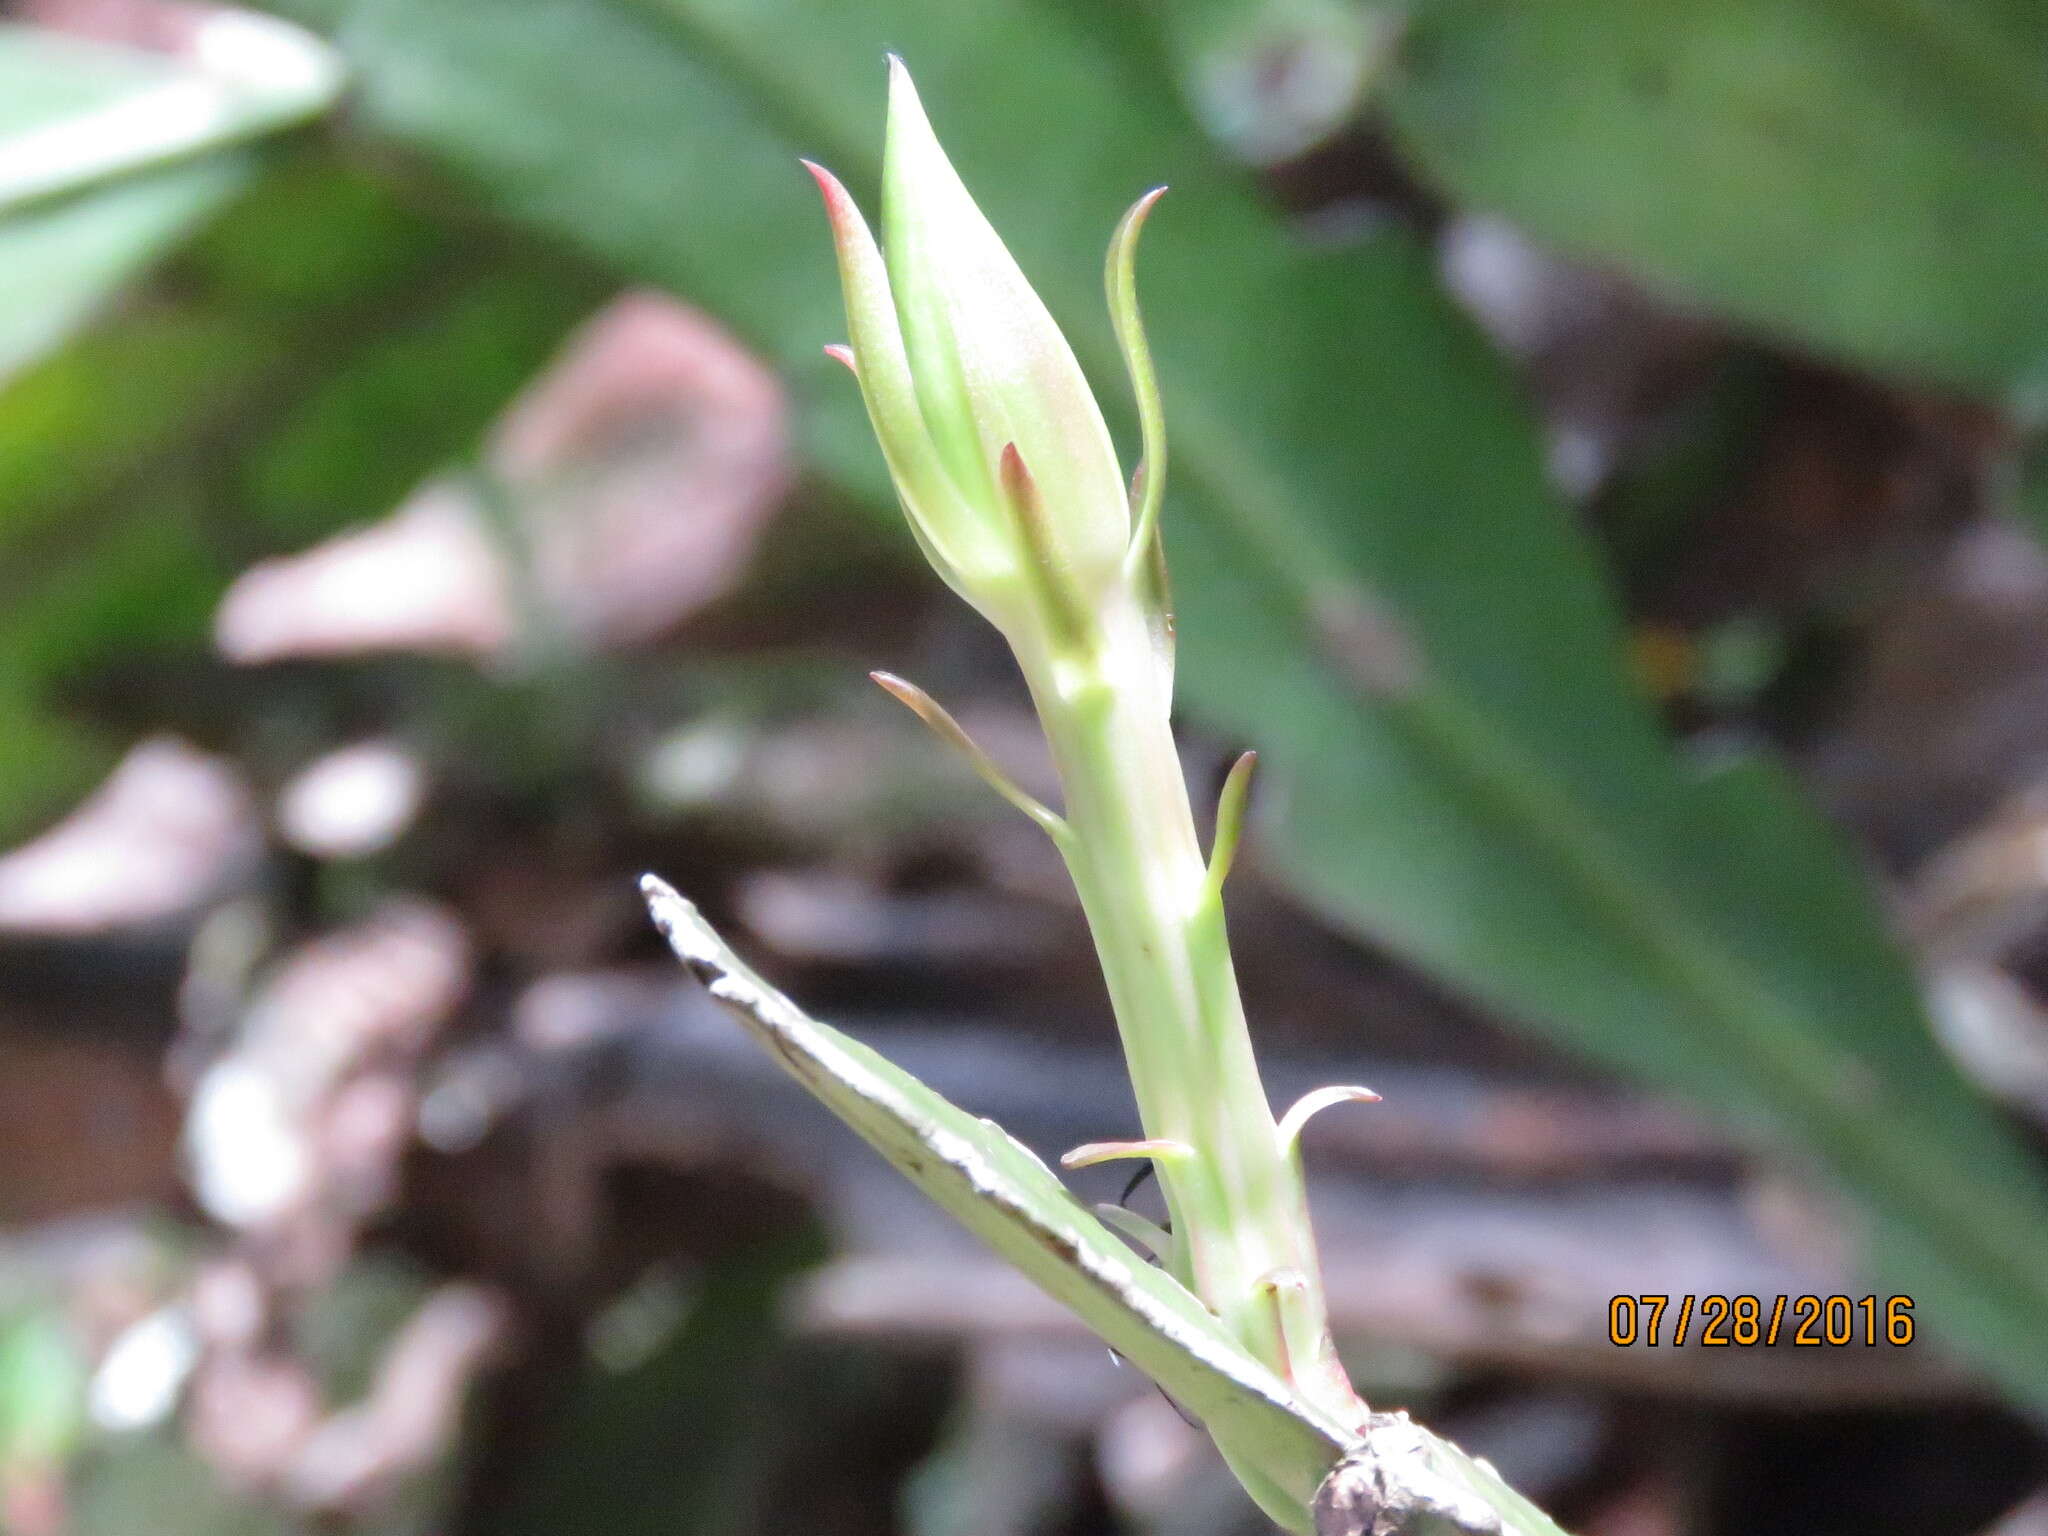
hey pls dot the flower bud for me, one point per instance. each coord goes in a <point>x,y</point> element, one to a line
<point>997,447</point>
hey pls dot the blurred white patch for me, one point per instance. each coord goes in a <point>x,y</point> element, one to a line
<point>695,765</point>
<point>352,802</point>
<point>169,829</point>
<point>1273,81</point>
<point>253,73</point>
<point>425,579</point>
<point>379,988</point>
<point>629,1332</point>
<point>310,1110</point>
<point>2000,564</point>
<point>652,453</point>
<point>246,1154</point>
<point>635,474</point>
<point>265,54</point>
<point>1995,1031</point>
<point>1578,460</point>
<point>1510,285</point>
<point>466,1099</point>
<point>413,1410</point>
<point>229,1305</point>
<point>147,125</point>
<point>138,1382</point>
<point>1146,1453</point>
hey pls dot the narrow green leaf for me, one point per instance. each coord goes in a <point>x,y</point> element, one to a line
<point>999,1189</point>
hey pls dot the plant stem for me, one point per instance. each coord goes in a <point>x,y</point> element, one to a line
<point>1237,1200</point>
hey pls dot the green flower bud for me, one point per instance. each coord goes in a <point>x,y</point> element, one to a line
<point>1006,469</point>
<point>996,444</point>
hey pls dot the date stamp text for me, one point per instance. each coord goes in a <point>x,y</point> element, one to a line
<point>1742,1321</point>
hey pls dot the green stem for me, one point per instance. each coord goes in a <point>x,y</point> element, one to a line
<point>1237,1199</point>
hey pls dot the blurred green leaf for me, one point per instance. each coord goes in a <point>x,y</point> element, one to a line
<point>42,1390</point>
<point>1867,179</point>
<point>610,1462</point>
<point>74,113</point>
<point>79,121</point>
<point>151,1482</point>
<point>1356,492</point>
<point>341,1332</point>
<point>63,257</point>
<point>311,357</point>
<point>109,159</point>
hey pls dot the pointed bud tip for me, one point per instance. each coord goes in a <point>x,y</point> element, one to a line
<point>1134,219</point>
<point>906,114</point>
<point>914,699</point>
<point>835,193</point>
<point>1016,474</point>
<point>841,211</point>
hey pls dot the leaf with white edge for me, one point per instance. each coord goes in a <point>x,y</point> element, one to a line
<point>1281,1448</point>
<point>998,1189</point>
